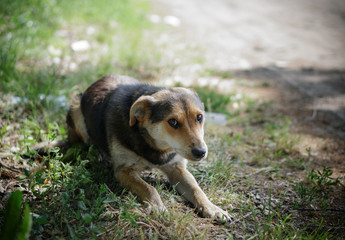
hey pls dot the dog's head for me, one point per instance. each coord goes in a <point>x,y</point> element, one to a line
<point>174,119</point>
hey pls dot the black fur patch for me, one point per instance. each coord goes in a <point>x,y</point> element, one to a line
<point>117,122</point>
<point>110,118</point>
<point>107,117</point>
<point>160,110</point>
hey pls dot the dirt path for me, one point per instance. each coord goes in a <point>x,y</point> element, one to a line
<point>248,34</point>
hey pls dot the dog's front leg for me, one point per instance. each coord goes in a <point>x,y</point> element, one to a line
<point>130,179</point>
<point>187,186</point>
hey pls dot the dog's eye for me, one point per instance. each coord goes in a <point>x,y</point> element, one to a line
<point>199,118</point>
<point>174,123</point>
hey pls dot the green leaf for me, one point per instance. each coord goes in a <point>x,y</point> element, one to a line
<point>82,205</point>
<point>12,216</point>
<point>129,217</point>
<point>87,217</point>
<point>65,197</point>
<point>109,200</point>
<point>25,226</point>
<point>71,231</point>
<point>42,219</point>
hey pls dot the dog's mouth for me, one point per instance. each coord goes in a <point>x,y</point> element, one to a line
<point>197,159</point>
<point>194,159</point>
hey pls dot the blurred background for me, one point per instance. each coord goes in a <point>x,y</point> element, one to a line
<point>68,45</point>
<point>249,34</point>
<point>299,44</point>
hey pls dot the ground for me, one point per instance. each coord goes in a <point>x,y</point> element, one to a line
<point>275,70</point>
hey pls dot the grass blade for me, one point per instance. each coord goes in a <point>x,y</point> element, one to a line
<point>25,226</point>
<point>12,216</point>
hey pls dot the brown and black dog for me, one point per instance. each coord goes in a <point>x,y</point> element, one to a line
<point>137,126</point>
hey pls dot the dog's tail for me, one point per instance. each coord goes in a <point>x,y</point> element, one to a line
<point>43,148</point>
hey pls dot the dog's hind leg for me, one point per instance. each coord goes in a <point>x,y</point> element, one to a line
<point>77,131</point>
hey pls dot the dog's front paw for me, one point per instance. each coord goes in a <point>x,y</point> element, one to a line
<point>156,208</point>
<point>214,212</point>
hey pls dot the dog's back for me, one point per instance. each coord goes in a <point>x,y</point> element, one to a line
<point>105,107</point>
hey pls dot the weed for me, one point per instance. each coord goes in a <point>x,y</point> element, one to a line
<point>317,187</point>
<point>3,131</point>
<point>324,179</point>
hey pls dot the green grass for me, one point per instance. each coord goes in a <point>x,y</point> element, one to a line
<point>217,73</point>
<point>252,160</point>
<point>29,28</point>
<point>214,102</point>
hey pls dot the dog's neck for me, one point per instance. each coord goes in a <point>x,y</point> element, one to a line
<point>150,141</point>
<point>152,152</point>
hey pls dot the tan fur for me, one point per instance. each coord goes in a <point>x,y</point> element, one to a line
<point>78,129</point>
<point>188,136</point>
<point>130,179</point>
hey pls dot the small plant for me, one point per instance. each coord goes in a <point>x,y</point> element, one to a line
<point>322,180</point>
<point>317,187</point>
<point>127,214</point>
<point>3,132</point>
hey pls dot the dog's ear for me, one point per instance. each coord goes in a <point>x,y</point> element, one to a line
<point>140,110</point>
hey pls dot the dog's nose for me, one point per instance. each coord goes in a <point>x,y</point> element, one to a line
<point>198,152</point>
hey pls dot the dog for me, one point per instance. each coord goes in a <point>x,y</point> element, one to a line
<point>138,126</point>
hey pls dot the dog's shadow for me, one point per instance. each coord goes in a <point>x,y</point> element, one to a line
<point>101,171</point>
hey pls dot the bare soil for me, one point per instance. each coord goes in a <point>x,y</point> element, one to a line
<point>250,34</point>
